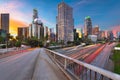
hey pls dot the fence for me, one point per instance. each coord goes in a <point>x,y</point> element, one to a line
<point>81,70</point>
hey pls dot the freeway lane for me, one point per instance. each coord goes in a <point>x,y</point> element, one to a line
<point>18,67</point>
<point>100,61</point>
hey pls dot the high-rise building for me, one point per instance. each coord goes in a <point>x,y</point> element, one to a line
<point>110,35</point>
<point>87,26</point>
<point>78,30</point>
<point>52,34</point>
<point>30,30</point>
<point>23,32</point>
<point>40,31</point>
<point>36,29</point>
<point>5,22</point>
<point>46,32</point>
<point>101,35</point>
<point>65,22</point>
<point>95,30</point>
<point>56,29</point>
<point>56,32</point>
<point>76,35</point>
<point>118,34</point>
<point>35,14</point>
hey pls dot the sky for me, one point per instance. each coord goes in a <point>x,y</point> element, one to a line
<point>105,13</point>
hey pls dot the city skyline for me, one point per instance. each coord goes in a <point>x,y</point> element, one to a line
<point>106,14</point>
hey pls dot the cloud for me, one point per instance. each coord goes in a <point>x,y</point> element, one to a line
<point>82,2</point>
<point>17,18</point>
<point>13,8</point>
<point>14,24</point>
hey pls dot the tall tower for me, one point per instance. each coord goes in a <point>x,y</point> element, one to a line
<point>34,23</point>
<point>88,26</point>
<point>5,22</point>
<point>65,22</point>
<point>35,14</point>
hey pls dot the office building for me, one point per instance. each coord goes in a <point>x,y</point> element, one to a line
<point>46,32</point>
<point>56,32</point>
<point>40,32</point>
<point>35,14</point>
<point>110,35</point>
<point>118,34</point>
<point>65,22</point>
<point>101,35</point>
<point>87,26</point>
<point>95,30</point>
<point>23,32</point>
<point>30,30</point>
<point>5,22</point>
<point>78,30</point>
<point>36,29</point>
<point>52,35</point>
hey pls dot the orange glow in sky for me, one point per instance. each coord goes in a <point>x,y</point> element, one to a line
<point>14,24</point>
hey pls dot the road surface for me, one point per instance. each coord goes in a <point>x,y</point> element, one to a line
<point>33,65</point>
<point>101,60</point>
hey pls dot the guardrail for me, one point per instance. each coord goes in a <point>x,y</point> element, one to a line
<point>81,70</point>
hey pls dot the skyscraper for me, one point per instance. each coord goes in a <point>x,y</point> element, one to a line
<point>65,22</point>
<point>40,32</point>
<point>35,14</point>
<point>30,30</point>
<point>34,23</point>
<point>36,29</point>
<point>88,26</point>
<point>5,22</point>
<point>46,32</point>
<point>110,35</point>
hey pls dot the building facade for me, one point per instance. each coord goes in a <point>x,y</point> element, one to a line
<point>5,22</point>
<point>110,35</point>
<point>36,29</point>
<point>101,35</point>
<point>23,32</point>
<point>95,30</point>
<point>65,22</point>
<point>87,26</point>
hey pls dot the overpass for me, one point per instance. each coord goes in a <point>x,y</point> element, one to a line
<point>44,64</point>
<point>78,70</point>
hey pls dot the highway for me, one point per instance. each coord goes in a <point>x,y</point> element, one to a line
<point>101,60</point>
<point>32,65</point>
<point>80,53</point>
<point>103,57</point>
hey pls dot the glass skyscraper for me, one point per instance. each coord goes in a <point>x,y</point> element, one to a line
<point>88,26</point>
<point>65,22</point>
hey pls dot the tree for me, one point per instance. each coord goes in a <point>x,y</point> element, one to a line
<point>20,38</point>
<point>1,39</point>
<point>33,42</point>
<point>18,44</point>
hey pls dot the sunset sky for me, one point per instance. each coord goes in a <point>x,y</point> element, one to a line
<point>105,13</point>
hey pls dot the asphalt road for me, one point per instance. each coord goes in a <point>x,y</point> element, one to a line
<point>100,61</point>
<point>18,67</point>
<point>33,65</point>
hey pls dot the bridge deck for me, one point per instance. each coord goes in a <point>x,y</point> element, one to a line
<point>46,69</point>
